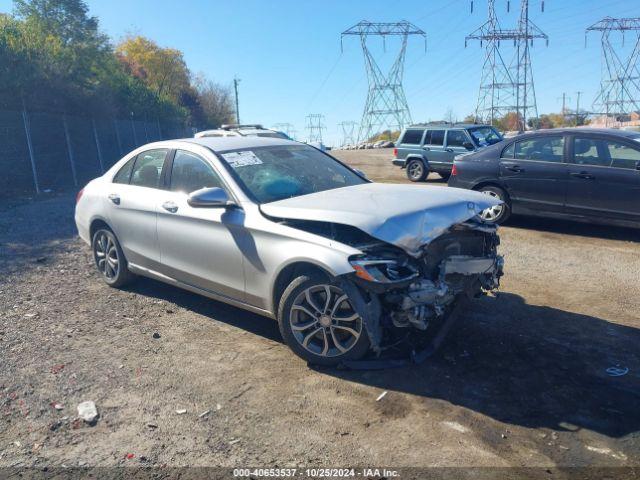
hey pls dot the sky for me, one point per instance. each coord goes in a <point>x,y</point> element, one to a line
<point>288,57</point>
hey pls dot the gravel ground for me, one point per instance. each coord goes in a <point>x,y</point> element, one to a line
<point>521,381</point>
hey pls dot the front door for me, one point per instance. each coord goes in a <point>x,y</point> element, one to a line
<point>199,246</point>
<point>534,173</point>
<point>604,179</point>
<point>132,198</point>
<point>456,141</point>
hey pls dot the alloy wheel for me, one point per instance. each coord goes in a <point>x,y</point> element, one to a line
<point>324,322</point>
<point>491,214</point>
<point>106,256</point>
<point>415,170</point>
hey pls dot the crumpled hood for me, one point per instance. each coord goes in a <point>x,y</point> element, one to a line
<point>408,216</point>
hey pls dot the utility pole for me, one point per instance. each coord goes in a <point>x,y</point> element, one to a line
<point>619,93</point>
<point>578,106</point>
<point>386,104</point>
<point>236,81</point>
<point>564,102</point>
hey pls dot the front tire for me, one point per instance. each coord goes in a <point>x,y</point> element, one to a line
<point>417,170</point>
<point>498,214</point>
<point>318,322</point>
<point>109,258</point>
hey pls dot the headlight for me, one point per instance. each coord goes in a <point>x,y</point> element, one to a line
<point>382,271</point>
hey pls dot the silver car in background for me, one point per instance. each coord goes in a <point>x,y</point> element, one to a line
<point>287,231</point>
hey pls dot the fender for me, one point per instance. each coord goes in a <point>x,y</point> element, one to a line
<point>414,156</point>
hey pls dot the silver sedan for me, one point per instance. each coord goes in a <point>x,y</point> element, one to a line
<point>287,231</point>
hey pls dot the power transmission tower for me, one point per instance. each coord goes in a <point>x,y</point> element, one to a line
<point>525,89</point>
<point>386,104</point>
<point>348,129</point>
<point>496,96</point>
<point>506,88</point>
<point>619,92</point>
<point>287,128</point>
<point>315,126</point>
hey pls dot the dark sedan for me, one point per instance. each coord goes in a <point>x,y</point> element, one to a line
<point>579,173</point>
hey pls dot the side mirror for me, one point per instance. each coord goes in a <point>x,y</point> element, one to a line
<point>638,165</point>
<point>360,172</point>
<point>468,145</point>
<point>209,198</point>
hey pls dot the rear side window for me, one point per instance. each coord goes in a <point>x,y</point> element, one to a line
<point>622,156</point>
<point>412,137</point>
<point>147,168</point>
<point>190,173</point>
<point>434,137</point>
<point>604,153</point>
<point>124,174</point>
<point>456,138</point>
<point>543,149</point>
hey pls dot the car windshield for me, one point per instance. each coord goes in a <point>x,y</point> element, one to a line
<point>274,173</point>
<point>484,136</point>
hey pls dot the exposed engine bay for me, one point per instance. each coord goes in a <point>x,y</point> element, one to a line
<point>391,288</point>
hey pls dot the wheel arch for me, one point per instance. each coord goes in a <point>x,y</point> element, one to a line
<point>491,183</point>
<point>288,273</point>
<point>96,223</point>
<point>414,156</point>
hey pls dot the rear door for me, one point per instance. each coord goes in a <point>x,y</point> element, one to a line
<point>132,198</point>
<point>534,172</point>
<point>604,179</point>
<point>434,149</point>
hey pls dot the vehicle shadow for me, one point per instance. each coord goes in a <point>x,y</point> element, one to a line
<point>570,227</point>
<point>521,364</point>
<point>532,366</point>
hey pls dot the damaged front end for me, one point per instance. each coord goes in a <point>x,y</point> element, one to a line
<point>394,290</point>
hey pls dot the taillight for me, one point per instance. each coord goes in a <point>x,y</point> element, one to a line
<point>454,170</point>
<point>79,195</point>
<point>395,152</point>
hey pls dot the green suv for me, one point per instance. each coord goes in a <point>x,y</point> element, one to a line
<point>425,148</point>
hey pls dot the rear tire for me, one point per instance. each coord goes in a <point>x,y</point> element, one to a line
<point>318,322</point>
<point>445,175</point>
<point>500,213</point>
<point>110,260</point>
<point>417,170</point>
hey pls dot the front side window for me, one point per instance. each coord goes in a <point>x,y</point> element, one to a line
<point>544,149</point>
<point>434,137</point>
<point>274,173</point>
<point>456,138</point>
<point>190,173</point>
<point>508,152</point>
<point>148,167</point>
<point>124,174</point>
<point>412,137</point>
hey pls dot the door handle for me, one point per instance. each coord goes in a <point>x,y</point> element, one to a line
<point>515,168</point>
<point>448,150</point>
<point>426,148</point>
<point>170,207</point>
<point>114,198</point>
<point>583,175</point>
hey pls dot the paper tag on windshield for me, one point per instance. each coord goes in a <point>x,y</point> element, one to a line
<point>241,159</point>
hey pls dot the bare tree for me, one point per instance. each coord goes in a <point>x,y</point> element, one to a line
<point>216,101</point>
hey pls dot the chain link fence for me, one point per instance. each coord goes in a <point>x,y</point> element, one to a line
<point>49,152</point>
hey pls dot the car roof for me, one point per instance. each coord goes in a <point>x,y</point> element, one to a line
<point>447,126</point>
<point>587,130</point>
<point>221,144</point>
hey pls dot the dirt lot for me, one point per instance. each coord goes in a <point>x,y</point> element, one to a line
<point>522,380</point>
